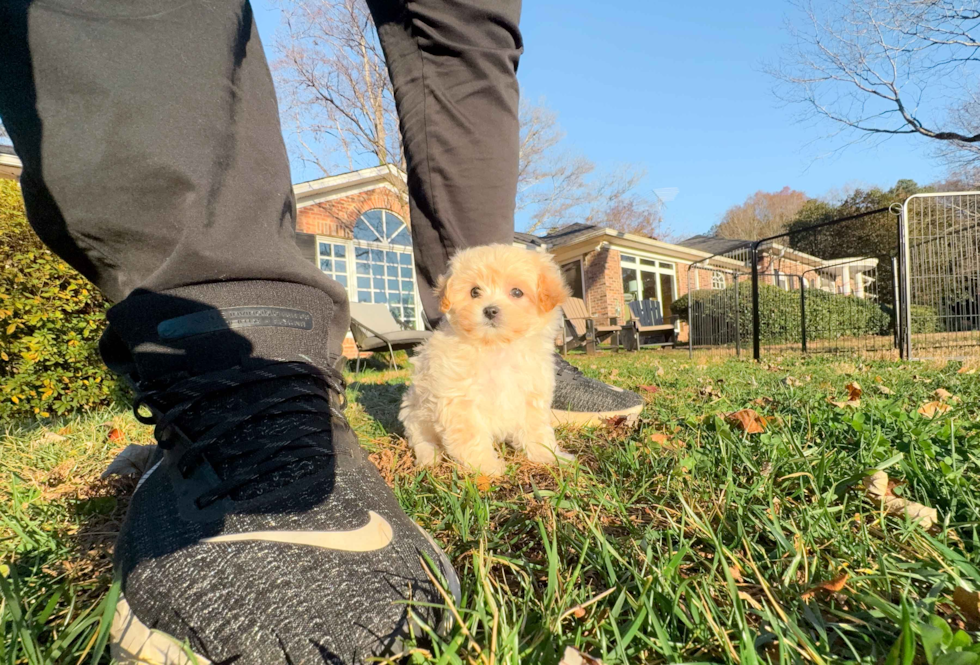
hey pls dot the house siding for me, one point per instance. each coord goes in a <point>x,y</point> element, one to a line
<point>604,284</point>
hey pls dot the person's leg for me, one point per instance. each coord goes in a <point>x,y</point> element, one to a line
<point>453,67</point>
<point>154,163</point>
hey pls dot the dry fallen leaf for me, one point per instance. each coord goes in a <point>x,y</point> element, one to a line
<point>833,586</point>
<point>966,370</point>
<point>942,393</point>
<point>50,437</point>
<point>613,374</point>
<point>116,435</point>
<point>650,389</point>
<point>747,420</point>
<point>885,390</point>
<point>660,371</point>
<point>573,656</point>
<point>853,391</point>
<point>879,488</point>
<point>659,438</point>
<point>762,401</point>
<point>933,409</point>
<point>134,460</point>
<point>750,600</point>
<point>969,604</point>
<point>483,483</point>
<point>840,405</point>
<point>792,381</point>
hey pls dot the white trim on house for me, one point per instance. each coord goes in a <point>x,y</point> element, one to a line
<point>349,184</point>
<point>581,273</point>
<point>10,166</point>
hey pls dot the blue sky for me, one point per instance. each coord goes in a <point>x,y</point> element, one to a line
<point>678,89</point>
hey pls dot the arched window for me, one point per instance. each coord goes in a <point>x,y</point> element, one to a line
<point>717,280</point>
<point>384,269</point>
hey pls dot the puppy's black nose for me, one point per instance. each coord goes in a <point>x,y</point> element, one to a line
<point>491,311</point>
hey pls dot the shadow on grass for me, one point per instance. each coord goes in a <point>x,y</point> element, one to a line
<point>381,401</point>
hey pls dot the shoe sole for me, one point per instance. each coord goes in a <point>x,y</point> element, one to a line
<point>133,643</point>
<point>593,418</point>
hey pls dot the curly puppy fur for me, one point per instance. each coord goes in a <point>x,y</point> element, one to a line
<point>487,374</point>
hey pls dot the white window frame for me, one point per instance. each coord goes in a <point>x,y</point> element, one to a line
<point>718,275</point>
<point>581,273</point>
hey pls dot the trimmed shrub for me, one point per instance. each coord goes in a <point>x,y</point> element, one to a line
<point>828,315</point>
<point>50,322</point>
<point>925,320</point>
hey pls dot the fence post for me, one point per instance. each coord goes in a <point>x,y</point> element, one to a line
<point>738,331</point>
<point>896,306</point>
<point>690,315</point>
<point>756,324</point>
<point>803,312</point>
<point>589,337</point>
<point>905,288</point>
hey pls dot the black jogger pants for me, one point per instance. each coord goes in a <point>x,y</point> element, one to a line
<point>153,156</point>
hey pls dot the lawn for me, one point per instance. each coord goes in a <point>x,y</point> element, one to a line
<point>684,539</point>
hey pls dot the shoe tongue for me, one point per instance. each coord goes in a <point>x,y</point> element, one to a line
<point>209,327</point>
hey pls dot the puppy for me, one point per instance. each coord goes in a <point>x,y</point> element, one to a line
<point>487,374</point>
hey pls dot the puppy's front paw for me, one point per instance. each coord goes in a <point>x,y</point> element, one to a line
<point>426,454</point>
<point>564,457</point>
<point>541,454</point>
<point>489,467</point>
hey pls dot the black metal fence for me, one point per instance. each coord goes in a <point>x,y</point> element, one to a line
<point>823,288</point>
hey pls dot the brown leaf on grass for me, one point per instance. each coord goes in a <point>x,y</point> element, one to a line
<point>660,371</point>
<point>969,604</point>
<point>833,586</point>
<point>762,401</point>
<point>709,391</point>
<point>747,420</point>
<point>966,370</point>
<point>792,381</point>
<point>854,391</point>
<point>933,409</point>
<point>650,389</point>
<point>613,374</point>
<point>483,483</point>
<point>116,434</point>
<point>840,405</point>
<point>616,422</point>
<point>879,488</point>
<point>942,393</point>
<point>134,460</point>
<point>573,656</point>
<point>659,438</point>
<point>885,390</point>
<point>50,437</point>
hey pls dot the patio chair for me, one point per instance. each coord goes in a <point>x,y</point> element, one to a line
<point>374,328</point>
<point>648,319</point>
<point>579,328</point>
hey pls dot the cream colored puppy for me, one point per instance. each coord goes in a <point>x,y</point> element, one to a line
<point>487,375</point>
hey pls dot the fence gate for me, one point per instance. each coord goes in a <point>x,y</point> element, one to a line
<point>940,238</point>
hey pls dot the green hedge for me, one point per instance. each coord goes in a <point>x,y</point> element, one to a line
<point>925,320</point>
<point>828,315</point>
<point>50,322</point>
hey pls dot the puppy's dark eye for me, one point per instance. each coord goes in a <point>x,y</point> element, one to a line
<point>475,292</point>
<point>516,293</point>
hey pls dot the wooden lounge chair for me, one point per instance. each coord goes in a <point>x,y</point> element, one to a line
<point>374,328</point>
<point>649,320</point>
<point>579,327</point>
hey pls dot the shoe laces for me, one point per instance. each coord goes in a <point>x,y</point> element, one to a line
<point>565,367</point>
<point>195,411</point>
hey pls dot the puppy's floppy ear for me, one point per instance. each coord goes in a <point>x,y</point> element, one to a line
<point>442,293</point>
<point>552,290</point>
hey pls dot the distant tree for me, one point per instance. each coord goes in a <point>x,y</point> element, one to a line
<point>762,215</point>
<point>880,68</point>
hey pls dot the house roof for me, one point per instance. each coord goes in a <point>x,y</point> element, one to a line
<point>528,239</point>
<point>570,233</point>
<point>346,184</point>
<point>713,244</point>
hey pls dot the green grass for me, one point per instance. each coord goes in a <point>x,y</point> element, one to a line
<point>682,540</point>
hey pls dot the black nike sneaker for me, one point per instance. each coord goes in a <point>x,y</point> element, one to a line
<point>263,534</point>
<point>582,401</point>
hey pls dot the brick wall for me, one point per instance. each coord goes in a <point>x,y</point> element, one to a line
<point>336,217</point>
<point>604,285</point>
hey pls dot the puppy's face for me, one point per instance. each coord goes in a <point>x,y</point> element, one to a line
<point>497,294</point>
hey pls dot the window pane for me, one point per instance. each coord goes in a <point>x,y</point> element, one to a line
<point>407,287</point>
<point>402,238</point>
<point>667,295</point>
<point>392,271</point>
<point>340,251</point>
<point>408,298</point>
<point>631,286</point>
<point>364,282</point>
<point>342,279</point>
<point>668,266</point>
<point>649,285</point>
<point>393,285</point>
<point>395,298</point>
<point>377,270</point>
<point>325,264</point>
<point>407,273</point>
<point>377,256</point>
<point>324,249</point>
<point>405,259</point>
<point>380,297</point>
<point>648,262</point>
<point>364,232</point>
<point>363,296</point>
<point>362,253</point>
<point>626,258</point>
<point>379,283</point>
<point>363,268</point>
<point>410,314</point>
<point>392,257</point>
<point>572,272</point>
<point>340,266</point>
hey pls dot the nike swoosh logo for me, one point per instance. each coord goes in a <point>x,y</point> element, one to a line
<point>374,535</point>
